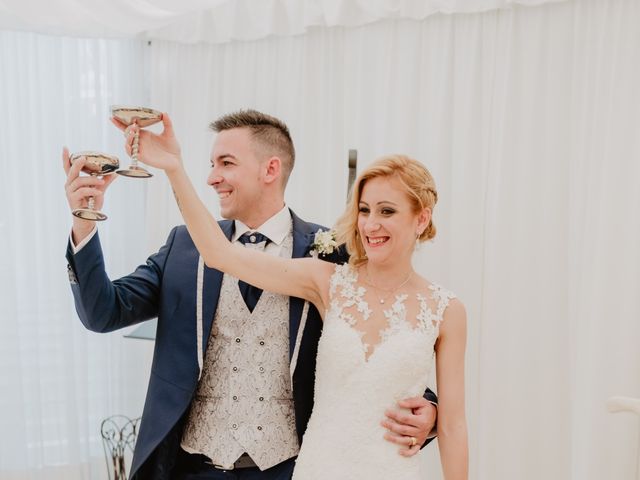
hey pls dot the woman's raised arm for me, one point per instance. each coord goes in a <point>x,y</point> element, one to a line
<point>306,278</point>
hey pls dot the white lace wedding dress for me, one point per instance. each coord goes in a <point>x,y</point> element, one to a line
<point>356,382</point>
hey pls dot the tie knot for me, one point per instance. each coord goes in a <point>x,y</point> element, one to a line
<point>253,238</point>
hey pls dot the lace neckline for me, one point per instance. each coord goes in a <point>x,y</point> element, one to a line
<point>349,305</point>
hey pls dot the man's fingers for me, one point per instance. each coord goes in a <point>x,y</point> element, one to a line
<point>66,164</point>
<point>427,414</point>
<point>403,440</point>
<point>129,135</point>
<point>401,417</point>
<point>409,452</point>
<point>389,437</point>
<point>409,424</point>
<point>85,192</point>
<point>167,124</point>
<point>74,171</point>
<point>414,402</point>
<point>400,428</point>
<point>407,447</point>
<point>80,198</point>
<point>108,180</point>
<point>88,181</point>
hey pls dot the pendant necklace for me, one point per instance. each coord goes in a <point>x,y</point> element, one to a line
<point>387,291</point>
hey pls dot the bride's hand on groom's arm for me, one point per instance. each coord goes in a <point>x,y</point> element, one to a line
<point>404,426</point>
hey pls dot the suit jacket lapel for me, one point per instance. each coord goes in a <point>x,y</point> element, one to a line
<point>302,239</point>
<point>211,288</point>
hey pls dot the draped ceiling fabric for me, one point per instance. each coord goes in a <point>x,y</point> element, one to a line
<point>219,21</point>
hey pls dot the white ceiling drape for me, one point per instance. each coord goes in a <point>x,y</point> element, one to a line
<point>220,21</point>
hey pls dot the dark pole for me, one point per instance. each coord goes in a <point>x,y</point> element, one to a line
<point>353,166</point>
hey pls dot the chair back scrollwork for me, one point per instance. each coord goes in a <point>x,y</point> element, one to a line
<point>118,434</point>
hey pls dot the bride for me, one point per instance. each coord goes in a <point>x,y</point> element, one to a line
<point>385,326</point>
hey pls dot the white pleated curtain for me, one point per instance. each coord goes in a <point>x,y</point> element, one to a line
<point>57,380</point>
<point>528,117</point>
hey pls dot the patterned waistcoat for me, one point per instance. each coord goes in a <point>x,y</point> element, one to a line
<point>243,402</point>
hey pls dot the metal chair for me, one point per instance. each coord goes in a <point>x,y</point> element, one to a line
<point>119,433</point>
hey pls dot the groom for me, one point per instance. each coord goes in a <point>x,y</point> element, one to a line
<point>231,386</point>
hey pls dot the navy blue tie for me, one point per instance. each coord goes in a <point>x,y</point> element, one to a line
<point>250,293</point>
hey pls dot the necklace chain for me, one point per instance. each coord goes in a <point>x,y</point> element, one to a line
<point>387,291</point>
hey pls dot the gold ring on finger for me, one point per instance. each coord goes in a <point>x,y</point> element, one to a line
<point>414,441</point>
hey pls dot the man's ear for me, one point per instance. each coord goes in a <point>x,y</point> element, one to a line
<point>272,169</point>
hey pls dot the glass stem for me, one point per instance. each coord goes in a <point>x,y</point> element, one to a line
<point>134,150</point>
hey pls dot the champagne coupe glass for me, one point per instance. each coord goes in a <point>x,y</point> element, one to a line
<point>143,117</point>
<point>97,165</point>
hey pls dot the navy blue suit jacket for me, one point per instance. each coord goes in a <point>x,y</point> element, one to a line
<point>165,287</point>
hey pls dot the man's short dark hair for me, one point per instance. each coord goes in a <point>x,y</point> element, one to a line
<point>269,131</point>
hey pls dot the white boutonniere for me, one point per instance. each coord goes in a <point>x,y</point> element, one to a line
<point>324,243</point>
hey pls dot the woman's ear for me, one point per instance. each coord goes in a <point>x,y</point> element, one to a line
<point>424,217</point>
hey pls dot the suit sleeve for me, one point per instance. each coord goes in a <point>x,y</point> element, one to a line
<point>104,305</point>
<point>433,398</point>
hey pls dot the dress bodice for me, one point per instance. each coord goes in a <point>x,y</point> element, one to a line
<point>370,355</point>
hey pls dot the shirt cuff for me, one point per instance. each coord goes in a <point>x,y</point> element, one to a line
<point>76,248</point>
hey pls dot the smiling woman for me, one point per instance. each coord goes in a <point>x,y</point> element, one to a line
<point>411,186</point>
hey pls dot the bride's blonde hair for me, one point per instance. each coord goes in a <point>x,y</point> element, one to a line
<point>418,185</point>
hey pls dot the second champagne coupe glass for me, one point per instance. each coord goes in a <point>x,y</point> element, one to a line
<point>98,165</point>
<point>143,117</point>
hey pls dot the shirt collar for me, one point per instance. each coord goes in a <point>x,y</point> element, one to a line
<point>276,228</point>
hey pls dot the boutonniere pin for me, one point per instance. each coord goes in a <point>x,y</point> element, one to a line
<point>324,243</point>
